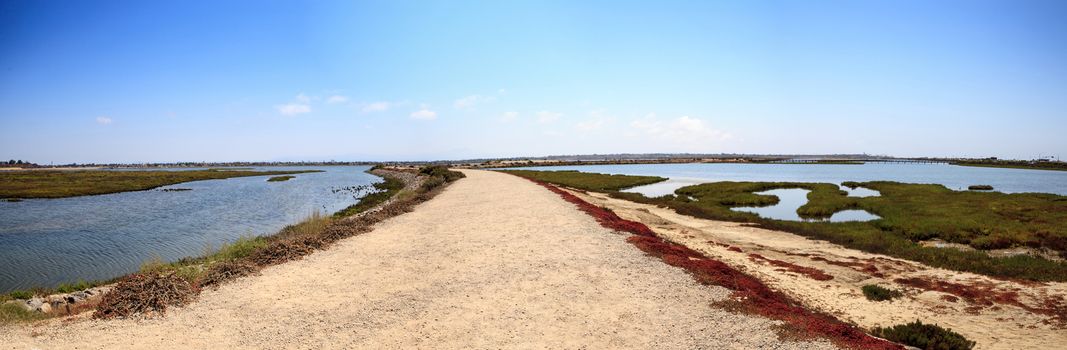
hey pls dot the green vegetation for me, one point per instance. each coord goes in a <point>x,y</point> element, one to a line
<point>59,184</point>
<point>980,188</point>
<point>587,181</point>
<point>878,293</point>
<point>385,190</point>
<point>910,213</point>
<point>280,178</point>
<point>20,294</point>
<point>438,175</point>
<point>925,336</point>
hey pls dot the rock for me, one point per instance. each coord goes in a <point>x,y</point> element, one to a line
<point>39,305</point>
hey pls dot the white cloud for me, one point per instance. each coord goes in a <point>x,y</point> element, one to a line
<point>335,99</point>
<point>683,130</point>
<point>472,100</point>
<point>292,109</point>
<point>509,116</point>
<point>596,120</point>
<point>305,99</point>
<point>380,106</point>
<point>548,117</point>
<point>103,120</point>
<point>424,114</point>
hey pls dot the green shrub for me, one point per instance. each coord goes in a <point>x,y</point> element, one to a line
<point>980,188</point>
<point>442,172</point>
<point>21,294</point>
<point>925,336</point>
<point>879,293</point>
<point>74,287</point>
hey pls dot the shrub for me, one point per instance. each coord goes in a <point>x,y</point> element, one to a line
<point>980,188</point>
<point>879,293</point>
<point>441,171</point>
<point>925,336</point>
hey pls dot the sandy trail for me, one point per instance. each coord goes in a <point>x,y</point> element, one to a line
<point>993,325</point>
<point>493,262</point>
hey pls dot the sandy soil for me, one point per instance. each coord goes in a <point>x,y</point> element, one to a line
<point>993,326</point>
<point>493,262</point>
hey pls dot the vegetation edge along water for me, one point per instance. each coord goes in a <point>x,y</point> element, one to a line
<point>910,213</point>
<point>73,183</point>
<point>233,260</point>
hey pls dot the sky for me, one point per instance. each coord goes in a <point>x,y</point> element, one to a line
<point>167,81</point>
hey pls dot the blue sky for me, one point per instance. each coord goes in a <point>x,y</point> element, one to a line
<point>154,81</point>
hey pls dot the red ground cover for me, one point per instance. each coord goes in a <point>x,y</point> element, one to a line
<point>810,272</point>
<point>754,296</point>
<point>987,295</point>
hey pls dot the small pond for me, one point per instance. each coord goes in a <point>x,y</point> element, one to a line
<point>789,200</point>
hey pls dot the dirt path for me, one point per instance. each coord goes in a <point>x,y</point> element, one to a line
<point>493,262</point>
<point>989,311</point>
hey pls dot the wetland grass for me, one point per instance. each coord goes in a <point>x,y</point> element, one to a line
<point>59,184</point>
<point>910,213</point>
<point>280,178</point>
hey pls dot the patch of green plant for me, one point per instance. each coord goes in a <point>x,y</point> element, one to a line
<point>384,190</point>
<point>74,287</point>
<point>20,294</point>
<point>60,183</point>
<point>980,188</point>
<point>925,336</point>
<point>438,175</point>
<point>875,292</point>
<point>280,178</point>
<point>587,181</point>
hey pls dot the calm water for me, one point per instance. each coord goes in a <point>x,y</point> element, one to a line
<point>952,176</point>
<point>791,199</point>
<point>44,242</point>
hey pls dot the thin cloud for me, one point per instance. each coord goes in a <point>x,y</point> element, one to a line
<point>302,98</point>
<point>684,130</point>
<point>424,114</point>
<point>471,101</point>
<point>509,117</point>
<point>545,117</point>
<point>380,106</point>
<point>292,109</point>
<point>335,99</point>
<point>103,120</point>
<point>596,120</point>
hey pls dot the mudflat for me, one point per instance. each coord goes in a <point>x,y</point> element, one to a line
<point>494,261</point>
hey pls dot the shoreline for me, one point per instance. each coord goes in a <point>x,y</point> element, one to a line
<point>74,295</point>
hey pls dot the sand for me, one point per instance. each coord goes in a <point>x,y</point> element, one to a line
<point>992,326</point>
<point>493,262</point>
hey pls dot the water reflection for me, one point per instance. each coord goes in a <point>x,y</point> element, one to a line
<point>789,200</point>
